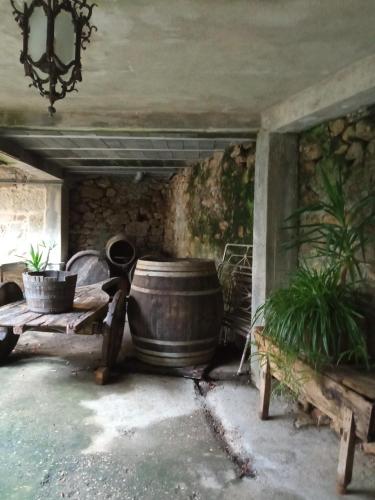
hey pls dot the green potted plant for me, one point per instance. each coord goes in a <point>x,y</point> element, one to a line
<point>316,318</point>
<point>47,292</point>
<point>321,315</point>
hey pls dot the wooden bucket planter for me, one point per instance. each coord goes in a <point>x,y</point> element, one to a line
<point>347,396</point>
<point>49,292</point>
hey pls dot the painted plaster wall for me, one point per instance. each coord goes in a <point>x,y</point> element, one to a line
<point>22,218</point>
<point>29,213</point>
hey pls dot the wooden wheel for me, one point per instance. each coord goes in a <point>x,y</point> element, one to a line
<point>113,330</point>
<point>9,292</point>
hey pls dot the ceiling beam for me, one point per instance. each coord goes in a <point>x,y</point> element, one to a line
<point>109,148</point>
<point>12,148</point>
<point>91,136</point>
<point>133,150</point>
<point>125,172</point>
<point>114,158</point>
<point>30,181</point>
<point>127,167</point>
<point>128,163</point>
<point>344,92</point>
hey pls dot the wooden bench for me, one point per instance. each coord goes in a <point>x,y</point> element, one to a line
<point>347,396</point>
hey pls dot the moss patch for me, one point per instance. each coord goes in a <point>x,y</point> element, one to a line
<point>220,199</point>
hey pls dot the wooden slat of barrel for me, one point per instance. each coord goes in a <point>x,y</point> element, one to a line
<point>9,292</point>
<point>90,266</point>
<point>175,310</point>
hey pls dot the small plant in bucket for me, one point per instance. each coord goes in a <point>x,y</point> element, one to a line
<point>47,292</point>
<point>35,260</point>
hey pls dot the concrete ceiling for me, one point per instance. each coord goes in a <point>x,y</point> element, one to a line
<point>194,64</point>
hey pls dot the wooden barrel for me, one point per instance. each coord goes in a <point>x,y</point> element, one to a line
<point>90,267</point>
<point>120,251</point>
<point>149,256</point>
<point>175,310</point>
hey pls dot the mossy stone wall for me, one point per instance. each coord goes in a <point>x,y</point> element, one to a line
<point>211,204</point>
<point>348,143</point>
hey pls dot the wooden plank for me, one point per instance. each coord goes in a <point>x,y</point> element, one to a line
<point>363,383</point>
<point>84,319</point>
<point>322,391</point>
<point>368,448</point>
<point>10,313</point>
<point>346,454</point>
<point>23,319</point>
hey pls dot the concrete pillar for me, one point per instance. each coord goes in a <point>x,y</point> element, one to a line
<point>275,197</point>
<point>55,221</point>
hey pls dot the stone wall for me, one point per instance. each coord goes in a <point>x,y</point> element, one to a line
<point>102,207</point>
<point>349,142</point>
<point>211,204</point>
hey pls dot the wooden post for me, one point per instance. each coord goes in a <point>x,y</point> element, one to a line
<point>346,454</point>
<point>265,388</point>
<point>113,328</point>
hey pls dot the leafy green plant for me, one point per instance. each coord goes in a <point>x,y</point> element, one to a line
<point>343,231</point>
<point>316,318</point>
<point>36,261</point>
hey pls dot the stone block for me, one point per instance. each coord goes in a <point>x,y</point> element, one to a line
<point>312,151</point>
<point>91,192</point>
<point>337,127</point>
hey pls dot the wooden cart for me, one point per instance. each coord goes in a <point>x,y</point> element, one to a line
<point>98,309</point>
<point>344,394</point>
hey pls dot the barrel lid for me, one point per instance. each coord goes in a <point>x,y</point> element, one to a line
<point>176,265</point>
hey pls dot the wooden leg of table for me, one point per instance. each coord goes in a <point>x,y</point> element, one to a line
<point>265,388</point>
<point>346,455</point>
<point>102,375</point>
<point>113,329</point>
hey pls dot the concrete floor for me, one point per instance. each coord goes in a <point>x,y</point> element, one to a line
<point>149,437</point>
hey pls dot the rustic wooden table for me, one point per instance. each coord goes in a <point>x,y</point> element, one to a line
<point>346,395</point>
<point>94,312</point>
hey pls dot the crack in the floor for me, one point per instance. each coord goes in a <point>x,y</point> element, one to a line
<point>243,465</point>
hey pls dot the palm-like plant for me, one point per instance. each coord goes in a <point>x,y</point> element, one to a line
<point>342,239</point>
<point>36,261</point>
<point>318,315</point>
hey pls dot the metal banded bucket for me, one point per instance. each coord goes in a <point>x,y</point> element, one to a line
<point>175,310</point>
<point>50,292</point>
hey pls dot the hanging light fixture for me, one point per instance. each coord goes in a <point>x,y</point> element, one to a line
<point>54,33</point>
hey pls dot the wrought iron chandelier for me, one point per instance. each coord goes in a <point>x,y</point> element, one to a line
<point>54,33</point>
